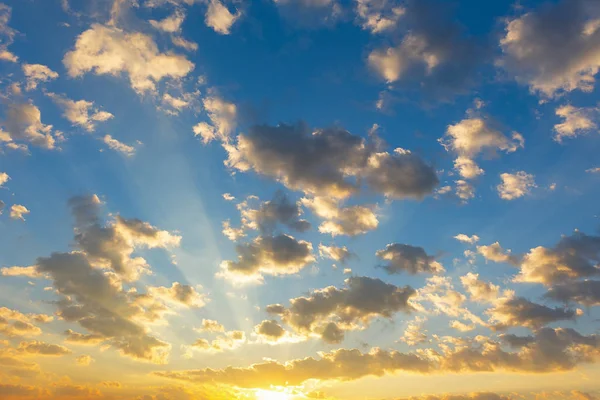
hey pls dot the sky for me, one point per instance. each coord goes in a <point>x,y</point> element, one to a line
<point>299,199</point>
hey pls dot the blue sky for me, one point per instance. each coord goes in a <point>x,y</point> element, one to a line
<point>193,89</point>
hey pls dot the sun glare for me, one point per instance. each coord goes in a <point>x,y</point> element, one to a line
<point>271,395</point>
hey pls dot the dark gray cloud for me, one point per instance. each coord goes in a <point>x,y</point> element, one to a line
<point>584,292</point>
<point>330,311</point>
<point>407,258</point>
<point>555,48</point>
<point>330,162</point>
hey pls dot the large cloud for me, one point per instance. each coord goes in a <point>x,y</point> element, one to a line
<point>90,283</point>
<point>325,161</point>
<point>549,350</point>
<point>585,292</point>
<point>555,48</point>
<point>107,50</point>
<point>330,311</point>
<point>518,311</point>
<point>411,259</point>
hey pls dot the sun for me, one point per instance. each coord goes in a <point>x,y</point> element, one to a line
<point>271,395</point>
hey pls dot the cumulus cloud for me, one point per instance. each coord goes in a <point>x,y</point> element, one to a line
<point>209,325</point>
<point>494,252</point>
<point>118,146</point>
<point>18,211</point>
<point>228,341</point>
<point>548,350</point>
<point>84,360</point>
<point>42,348</point>
<point>266,216</point>
<point>219,18</point>
<point>223,116</point>
<point>270,331</point>
<point>339,254</point>
<point>170,24</point>
<point>268,255</point>
<point>433,49</point>
<point>554,49</point>
<point>23,123</point>
<point>515,185</point>
<point>415,332</point>
<point>320,163</point>
<point>378,16</point>
<point>479,290</point>
<point>89,282</point>
<point>573,257</point>
<point>178,293</point>
<point>518,311</point>
<point>4,177</point>
<point>411,259</point>
<point>329,312</point>
<point>7,34</point>
<point>461,237</point>
<point>576,121</point>
<point>36,74</point>
<point>585,292</point>
<point>107,50</point>
<point>16,324</point>
<point>340,220</point>
<point>81,112</point>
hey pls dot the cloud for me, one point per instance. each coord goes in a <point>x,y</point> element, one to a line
<point>270,255</point>
<point>3,178</point>
<point>330,311</point>
<point>342,364</point>
<point>407,258</point>
<point>320,163</point>
<point>593,170</point>
<point>267,215</point>
<point>467,168</point>
<point>479,290</point>
<point>118,146</point>
<point>223,116</point>
<point>462,327</point>
<point>30,272</point>
<point>585,292</point>
<point>433,49</point>
<point>573,257</point>
<point>18,211</point>
<point>515,185</point>
<point>228,341</point>
<point>494,252</point>
<point>554,49</point>
<point>7,34</point>
<point>170,24</point>
<point>231,233</point>
<point>340,254</point>
<point>339,220</point>
<point>209,325</point>
<point>42,349</point>
<point>518,311</point>
<point>270,330</point>
<point>415,332</point>
<point>23,123</point>
<point>576,121</point>
<point>471,396</point>
<point>83,339</point>
<point>180,294</point>
<point>16,324</point>
<point>36,74</point>
<point>107,50</point>
<point>112,245</point>
<point>219,18</point>
<point>81,112</point>
<point>378,16</point>
<point>461,237</point>
<point>84,360</point>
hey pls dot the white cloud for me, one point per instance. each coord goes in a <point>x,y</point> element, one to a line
<point>461,237</point>
<point>37,73</point>
<point>23,123</point>
<point>515,185</point>
<point>3,178</point>
<point>219,18</point>
<point>7,34</point>
<point>378,16</point>
<point>107,50</point>
<point>17,211</point>
<point>170,24</point>
<point>116,145</point>
<point>223,116</point>
<point>81,112</point>
<point>576,121</point>
<point>340,220</point>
